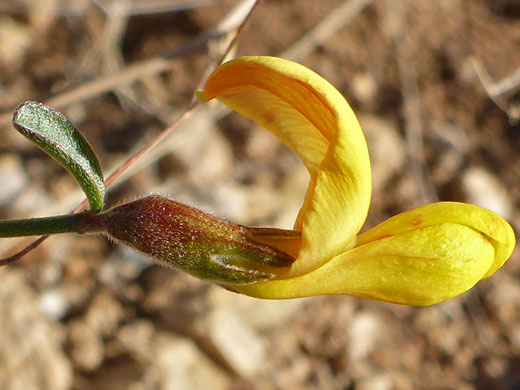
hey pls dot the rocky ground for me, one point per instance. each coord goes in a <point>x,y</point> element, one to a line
<point>434,86</point>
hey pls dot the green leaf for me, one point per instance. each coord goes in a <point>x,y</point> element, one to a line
<point>58,137</point>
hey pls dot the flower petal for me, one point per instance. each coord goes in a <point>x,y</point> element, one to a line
<point>496,230</point>
<point>417,267</point>
<point>311,118</point>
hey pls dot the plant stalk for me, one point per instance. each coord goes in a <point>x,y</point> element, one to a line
<point>81,223</point>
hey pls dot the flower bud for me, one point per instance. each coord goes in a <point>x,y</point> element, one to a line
<point>177,235</point>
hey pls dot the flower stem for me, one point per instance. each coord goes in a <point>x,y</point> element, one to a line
<point>84,222</point>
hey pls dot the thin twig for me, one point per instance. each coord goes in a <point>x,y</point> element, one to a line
<point>239,31</point>
<point>132,159</point>
<point>506,84</point>
<point>495,90</point>
<point>18,255</point>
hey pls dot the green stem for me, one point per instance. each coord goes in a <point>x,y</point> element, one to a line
<point>70,223</point>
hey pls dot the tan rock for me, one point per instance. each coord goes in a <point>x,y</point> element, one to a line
<point>256,313</point>
<point>181,366</point>
<point>31,355</point>
<point>86,345</point>
<point>241,345</point>
<point>13,178</point>
<point>386,148</point>
<point>486,190</point>
<point>15,40</point>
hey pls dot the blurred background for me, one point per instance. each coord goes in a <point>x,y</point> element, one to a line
<point>436,87</point>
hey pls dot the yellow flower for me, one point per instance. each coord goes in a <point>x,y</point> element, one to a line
<point>420,257</point>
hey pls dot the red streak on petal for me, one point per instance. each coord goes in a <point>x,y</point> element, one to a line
<point>417,221</point>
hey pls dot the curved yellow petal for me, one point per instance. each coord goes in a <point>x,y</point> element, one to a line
<point>312,118</point>
<point>417,267</point>
<point>496,230</point>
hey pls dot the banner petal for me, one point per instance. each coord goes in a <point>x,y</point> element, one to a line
<point>311,118</point>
